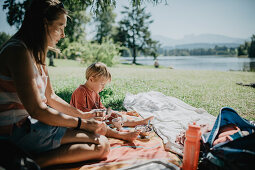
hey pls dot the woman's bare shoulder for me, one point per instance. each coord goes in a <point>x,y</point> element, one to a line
<point>12,56</point>
<point>13,50</point>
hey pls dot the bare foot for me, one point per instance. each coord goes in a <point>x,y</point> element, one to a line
<point>129,136</point>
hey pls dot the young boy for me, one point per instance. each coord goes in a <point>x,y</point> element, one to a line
<point>86,97</point>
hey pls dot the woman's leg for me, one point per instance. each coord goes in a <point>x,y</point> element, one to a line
<point>76,146</point>
<point>74,136</point>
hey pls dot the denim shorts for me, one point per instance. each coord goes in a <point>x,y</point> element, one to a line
<point>35,137</point>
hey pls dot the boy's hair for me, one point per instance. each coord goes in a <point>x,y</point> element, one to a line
<point>98,70</point>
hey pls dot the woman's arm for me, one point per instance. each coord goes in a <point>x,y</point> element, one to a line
<point>59,104</point>
<point>19,64</point>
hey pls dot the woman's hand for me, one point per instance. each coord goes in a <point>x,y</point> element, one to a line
<point>94,126</point>
<point>99,113</point>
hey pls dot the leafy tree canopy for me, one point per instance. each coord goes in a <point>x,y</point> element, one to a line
<point>251,50</point>
<point>104,24</point>
<point>3,38</point>
<point>16,8</point>
<point>75,30</point>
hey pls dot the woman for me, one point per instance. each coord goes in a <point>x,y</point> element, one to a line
<point>26,93</point>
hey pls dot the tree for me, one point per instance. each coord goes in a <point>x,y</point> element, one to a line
<point>16,10</point>
<point>251,50</point>
<point>75,27</point>
<point>152,49</point>
<point>75,30</point>
<point>107,52</point>
<point>243,49</point>
<point>133,31</point>
<point>104,24</point>
<point>3,38</point>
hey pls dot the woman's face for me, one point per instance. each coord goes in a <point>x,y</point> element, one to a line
<point>56,30</point>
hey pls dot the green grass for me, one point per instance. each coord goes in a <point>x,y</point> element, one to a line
<point>210,90</point>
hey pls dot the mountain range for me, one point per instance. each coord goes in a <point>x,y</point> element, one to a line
<point>199,41</point>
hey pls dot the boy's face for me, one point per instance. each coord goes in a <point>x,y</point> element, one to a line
<point>98,84</point>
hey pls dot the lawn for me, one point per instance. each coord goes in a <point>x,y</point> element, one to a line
<point>210,90</point>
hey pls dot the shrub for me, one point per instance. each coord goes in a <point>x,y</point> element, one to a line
<point>107,52</point>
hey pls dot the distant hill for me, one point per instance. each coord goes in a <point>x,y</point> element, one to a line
<point>199,41</point>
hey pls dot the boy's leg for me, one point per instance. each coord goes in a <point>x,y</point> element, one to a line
<point>133,123</point>
<point>78,146</point>
<point>128,136</point>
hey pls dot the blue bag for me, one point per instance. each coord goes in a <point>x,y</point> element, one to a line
<point>236,154</point>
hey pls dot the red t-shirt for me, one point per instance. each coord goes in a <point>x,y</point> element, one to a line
<point>86,99</point>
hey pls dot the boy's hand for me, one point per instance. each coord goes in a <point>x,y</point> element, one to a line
<point>112,115</point>
<point>116,114</point>
<point>94,126</point>
<point>132,113</point>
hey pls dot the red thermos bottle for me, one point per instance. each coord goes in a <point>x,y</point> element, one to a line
<point>191,147</point>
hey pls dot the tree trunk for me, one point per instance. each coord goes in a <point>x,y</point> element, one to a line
<point>134,55</point>
<point>133,37</point>
<point>51,62</point>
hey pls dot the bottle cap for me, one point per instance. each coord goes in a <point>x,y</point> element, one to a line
<point>193,131</point>
<point>194,126</point>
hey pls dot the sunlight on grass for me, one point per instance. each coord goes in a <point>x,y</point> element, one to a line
<point>210,90</point>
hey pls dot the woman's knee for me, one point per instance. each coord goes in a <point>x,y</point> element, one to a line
<point>103,147</point>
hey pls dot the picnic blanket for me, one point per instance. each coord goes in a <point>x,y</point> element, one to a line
<point>124,154</point>
<point>172,115</point>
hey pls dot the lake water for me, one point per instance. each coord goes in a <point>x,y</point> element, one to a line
<point>221,63</point>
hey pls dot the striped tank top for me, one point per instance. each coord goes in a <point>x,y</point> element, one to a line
<point>11,108</point>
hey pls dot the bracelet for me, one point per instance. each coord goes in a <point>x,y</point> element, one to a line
<point>79,124</point>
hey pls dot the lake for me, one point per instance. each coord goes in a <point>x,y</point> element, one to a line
<point>221,63</point>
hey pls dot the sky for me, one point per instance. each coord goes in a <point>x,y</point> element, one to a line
<point>233,18</point>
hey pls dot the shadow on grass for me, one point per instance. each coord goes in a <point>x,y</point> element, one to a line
<point>65,95</point>
<point>106,93</point>
<point>116,105</point>
<point>130,64</point>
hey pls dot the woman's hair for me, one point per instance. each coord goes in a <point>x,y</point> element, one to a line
<point>98,70</point>
<point>33,31</point>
